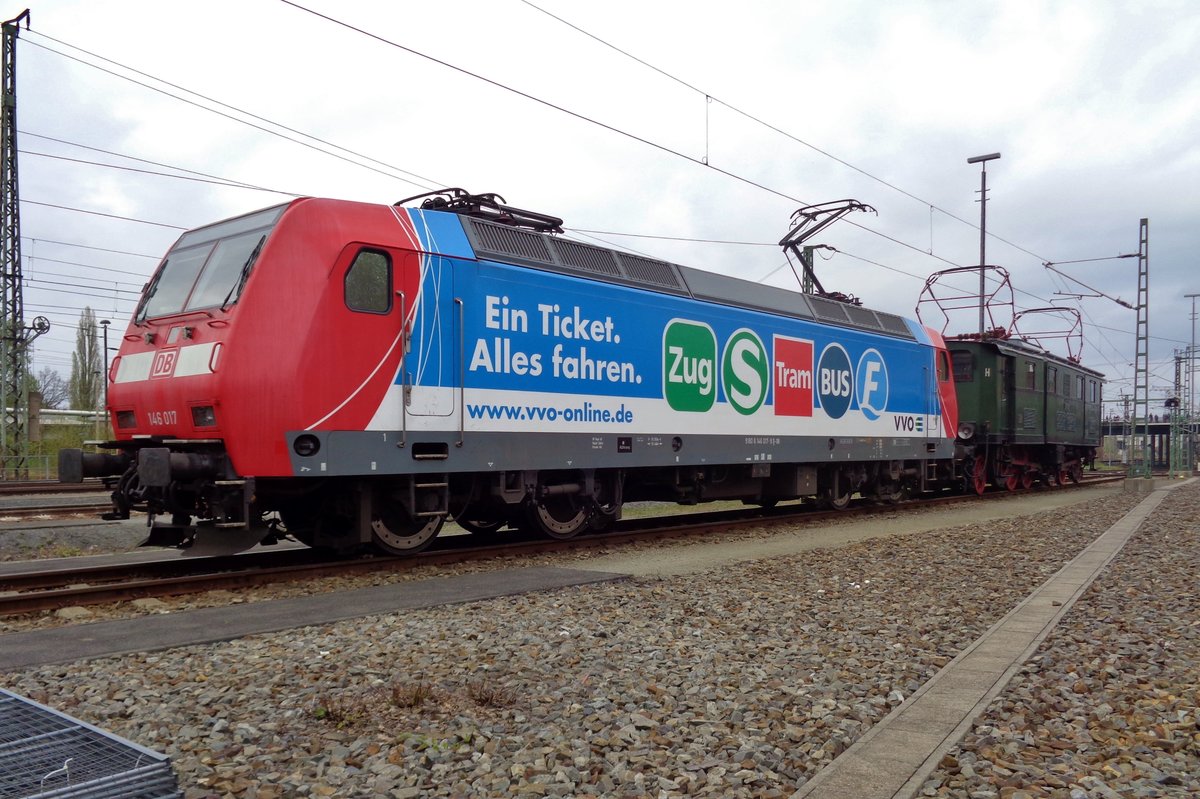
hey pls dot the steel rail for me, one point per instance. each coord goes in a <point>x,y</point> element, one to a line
<point>31,511</point>
<point>50,589</point>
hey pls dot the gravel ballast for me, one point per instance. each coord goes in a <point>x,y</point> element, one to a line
<point>1109,706</point>
<point>740,680</point>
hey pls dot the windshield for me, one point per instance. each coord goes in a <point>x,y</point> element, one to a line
<point>208,267</point>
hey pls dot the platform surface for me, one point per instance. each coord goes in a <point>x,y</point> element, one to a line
<point>209,625</point>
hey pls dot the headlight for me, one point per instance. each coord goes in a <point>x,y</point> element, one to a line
<point>204,416</point>
<point>306,445</point>
<point>966,430</point>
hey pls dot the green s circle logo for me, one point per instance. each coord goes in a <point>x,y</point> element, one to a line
<point>745,371</point>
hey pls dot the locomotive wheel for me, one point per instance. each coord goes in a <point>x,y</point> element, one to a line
<point>837,495</point>
<point>603,523</point>
<point>476,520</point>
<point>397,533</point>
<point>1026,479</point>
<point>561,516</point>
<point>605,518</point>
<point>889,493</point>
<point>979,477</point>
<point>1012,479</point>
<point>479,526</point>
<point>1075,473</point>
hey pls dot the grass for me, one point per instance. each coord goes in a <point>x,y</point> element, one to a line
<point>343,707</point>
<point>414,695</point>
<point>488,694</point>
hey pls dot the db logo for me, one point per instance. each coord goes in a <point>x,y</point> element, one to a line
<point>164,363</point>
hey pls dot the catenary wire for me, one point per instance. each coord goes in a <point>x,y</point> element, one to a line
<point>592,121</point>
<point>776,129</point>
<point>665,237</point>
<point>414,179</point>
<point>36,239</point>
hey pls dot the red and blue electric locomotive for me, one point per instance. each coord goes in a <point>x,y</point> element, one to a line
<point>362,373</point>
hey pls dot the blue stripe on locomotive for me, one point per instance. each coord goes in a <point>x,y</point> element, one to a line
<point>440,232</point>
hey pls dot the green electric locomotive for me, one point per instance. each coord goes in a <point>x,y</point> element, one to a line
<point>1026,416</point>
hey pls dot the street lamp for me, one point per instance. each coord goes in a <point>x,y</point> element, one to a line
<point>982,161</point>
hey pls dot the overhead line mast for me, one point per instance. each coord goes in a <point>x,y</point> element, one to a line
<point>14,343</point>
<point>1141,370</point>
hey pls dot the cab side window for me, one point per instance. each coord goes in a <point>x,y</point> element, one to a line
<point>964,366</point>
<point>368,282</point>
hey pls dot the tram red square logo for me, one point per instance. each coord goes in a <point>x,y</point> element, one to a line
<point>793,376</point>
<point>164,363</point>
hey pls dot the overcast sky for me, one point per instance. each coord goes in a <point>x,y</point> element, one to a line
<point>1094,106</point>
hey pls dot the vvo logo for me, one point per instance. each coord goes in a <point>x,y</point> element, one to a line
<point>164,363</point>
<point>871,384</point>
<point>910,424</point>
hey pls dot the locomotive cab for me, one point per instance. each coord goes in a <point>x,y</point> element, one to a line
<point>256,335</point>
<point>164,383</point>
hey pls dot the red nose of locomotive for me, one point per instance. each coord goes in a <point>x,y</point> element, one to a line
<point>164,381</point>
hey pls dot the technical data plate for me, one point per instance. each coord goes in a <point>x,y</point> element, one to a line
<point>44,753</point>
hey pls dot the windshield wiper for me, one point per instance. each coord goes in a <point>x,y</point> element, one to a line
<point>236,290</point>
<point>139,316</point>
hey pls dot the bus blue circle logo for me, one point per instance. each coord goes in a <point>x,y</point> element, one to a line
<point>834,386</point>
<point>871,384</point>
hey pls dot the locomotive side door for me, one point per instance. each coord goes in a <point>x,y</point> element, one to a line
<point>431,354</point>
<point>1007,405</point>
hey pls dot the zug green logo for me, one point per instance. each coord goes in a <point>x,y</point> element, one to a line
<point>745,370</point>
<point>690,368</point>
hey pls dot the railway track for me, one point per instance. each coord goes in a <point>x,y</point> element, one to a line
<point>90,509</point>
<point>49,588</point>
<point>25,487</point>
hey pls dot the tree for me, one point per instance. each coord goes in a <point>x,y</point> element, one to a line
<point>55,391</point>
<point>86,364</point>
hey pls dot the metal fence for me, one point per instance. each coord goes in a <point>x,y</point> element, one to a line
<point>29,467</point>
<point>45,753</point>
